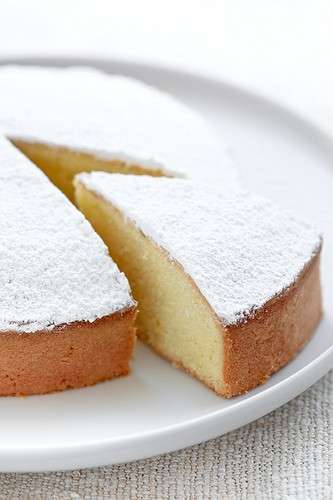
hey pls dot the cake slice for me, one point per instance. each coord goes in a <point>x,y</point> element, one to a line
<point>228,286</point>
<point>80,119</point>
<point>66,311</point>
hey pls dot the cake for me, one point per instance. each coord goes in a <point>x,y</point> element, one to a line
<point>79,119</point>
<point>67,314</point>
<point>227,283</point>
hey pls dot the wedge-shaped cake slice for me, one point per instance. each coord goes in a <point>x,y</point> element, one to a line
<point>66,311</point>
<point>79,119</point>
<point>228,286</point>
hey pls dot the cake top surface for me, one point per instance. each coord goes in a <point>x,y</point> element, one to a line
<point>240,250</point>
<point>113,117</point>
<point>53,268</point>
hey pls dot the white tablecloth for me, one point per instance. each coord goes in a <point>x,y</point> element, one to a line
<point>283,49</point>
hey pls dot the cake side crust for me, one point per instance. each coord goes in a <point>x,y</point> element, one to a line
<point>260,346</point>
<point>71,356</point>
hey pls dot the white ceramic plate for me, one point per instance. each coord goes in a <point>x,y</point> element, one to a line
<point>157,408</point>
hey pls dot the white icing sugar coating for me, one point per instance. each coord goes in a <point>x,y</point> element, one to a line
<point>240,250</point>
<point>112,117</point>
<point>53,268</point>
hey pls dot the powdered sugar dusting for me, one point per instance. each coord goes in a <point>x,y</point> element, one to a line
<point>112,117</point>
<point>241,250</point>
<point>53,268</point>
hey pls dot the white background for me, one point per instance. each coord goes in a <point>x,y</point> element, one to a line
<point>281,48</point>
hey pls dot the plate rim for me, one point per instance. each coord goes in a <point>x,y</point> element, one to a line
<point>162,440</point>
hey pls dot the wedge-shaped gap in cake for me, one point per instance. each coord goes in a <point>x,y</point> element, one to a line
<point>61,164</point>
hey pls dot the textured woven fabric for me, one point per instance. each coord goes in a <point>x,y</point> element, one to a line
<point>287,454</point>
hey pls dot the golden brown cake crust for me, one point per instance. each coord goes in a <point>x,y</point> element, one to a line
<point>71,356</point>
<point>257,348</point>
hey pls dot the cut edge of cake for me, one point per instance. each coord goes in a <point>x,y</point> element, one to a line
<point>151,295</point>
